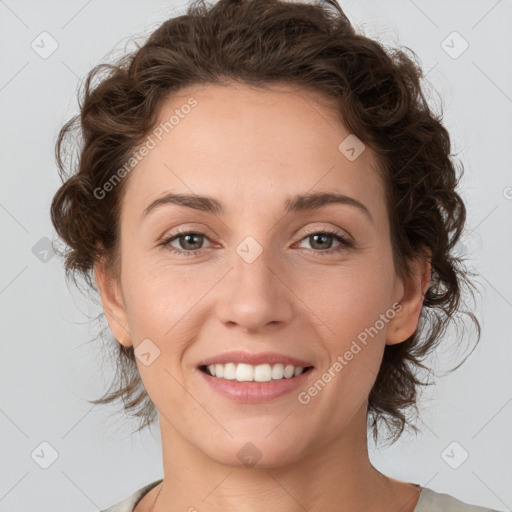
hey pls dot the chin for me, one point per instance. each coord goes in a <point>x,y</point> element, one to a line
<point>257,451</point>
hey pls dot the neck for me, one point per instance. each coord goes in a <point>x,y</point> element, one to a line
<point>337,473</point>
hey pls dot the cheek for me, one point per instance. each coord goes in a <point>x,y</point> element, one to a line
<point>157,295</point>
<point>355,343</point>
<point>356,305</point>
<point>352,298</point>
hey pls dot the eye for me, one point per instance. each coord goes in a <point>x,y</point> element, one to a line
<point>189,242</point>
<point>322,241</point>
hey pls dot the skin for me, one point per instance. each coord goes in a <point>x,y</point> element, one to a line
<point>250,149</point>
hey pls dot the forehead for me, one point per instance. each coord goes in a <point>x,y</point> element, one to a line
<point>241,143</point>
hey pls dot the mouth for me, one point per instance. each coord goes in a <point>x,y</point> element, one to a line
<point>250,377</point>
<point>242,372</point>
<point>247,384</point>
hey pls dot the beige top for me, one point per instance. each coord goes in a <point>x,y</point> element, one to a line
<point>429,501</point>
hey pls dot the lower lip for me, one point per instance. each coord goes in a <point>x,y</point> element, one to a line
<point>255,392</point>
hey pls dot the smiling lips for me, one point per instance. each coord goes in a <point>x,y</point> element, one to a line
<point>243,367</point>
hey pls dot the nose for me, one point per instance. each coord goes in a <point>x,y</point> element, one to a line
<point>254,294</point>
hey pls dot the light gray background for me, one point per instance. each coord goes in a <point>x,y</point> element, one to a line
<point>49,368</point>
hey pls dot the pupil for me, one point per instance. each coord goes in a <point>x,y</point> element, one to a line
<point>190,236</point>
<point>321,236</point>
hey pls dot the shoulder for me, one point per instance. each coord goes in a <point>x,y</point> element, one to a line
<point>128,504</point>
<point>432,501</point>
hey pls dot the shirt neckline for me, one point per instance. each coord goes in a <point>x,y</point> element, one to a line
<point>152,485</point>
<point>145,491</point>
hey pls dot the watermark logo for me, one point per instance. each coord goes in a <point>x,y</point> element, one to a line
<point>44,455</point>
<point>249,249</point>
<point>249,455</point>
<point>43,250</point>
<point>454,45</point>
<point>454,455</point>
<point>351,147</point>
<point>147,352</point>
<point>45,45</point>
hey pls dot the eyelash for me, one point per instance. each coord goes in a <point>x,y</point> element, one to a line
<point>345,243</point>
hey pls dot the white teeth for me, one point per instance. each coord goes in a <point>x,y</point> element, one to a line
<point>278,371</point>
<point>219,370</point>
<point>230,371</point>
<point>262,373</point>
<point>243,372</point>
<point>288,371</point>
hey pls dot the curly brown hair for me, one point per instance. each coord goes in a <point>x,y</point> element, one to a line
<point>379,95</point>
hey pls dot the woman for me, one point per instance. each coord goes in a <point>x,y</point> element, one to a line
<point>268,209</point>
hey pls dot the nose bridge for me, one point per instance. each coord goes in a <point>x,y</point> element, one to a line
<point>254,295</point>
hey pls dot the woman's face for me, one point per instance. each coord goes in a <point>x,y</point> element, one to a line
<point>262,275</point>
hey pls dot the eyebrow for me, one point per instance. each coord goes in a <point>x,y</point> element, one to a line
<point>299,203</point>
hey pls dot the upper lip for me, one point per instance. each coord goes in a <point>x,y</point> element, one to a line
<point>254,358</point>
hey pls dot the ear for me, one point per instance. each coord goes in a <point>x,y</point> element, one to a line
<point>413,289</point>
<point>113,303</point>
